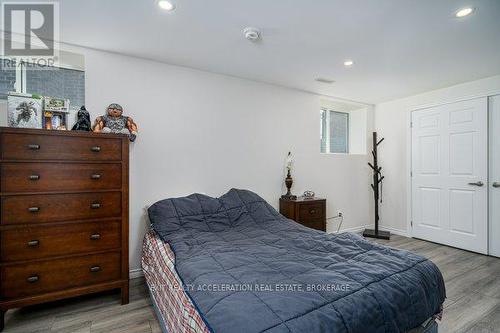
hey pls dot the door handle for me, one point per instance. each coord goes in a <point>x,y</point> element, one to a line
<point>496,184</point>
<point>479,183</point>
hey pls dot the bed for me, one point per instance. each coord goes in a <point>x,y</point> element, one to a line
<point>233,264</point>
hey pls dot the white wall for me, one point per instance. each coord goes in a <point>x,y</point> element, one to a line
<point>392,122</point>
<point>357,131</point>
<point>202,132</point>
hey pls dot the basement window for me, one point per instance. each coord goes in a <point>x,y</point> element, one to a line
<point>63,81</point>
<point>334,132</point>
<point>343,128</point>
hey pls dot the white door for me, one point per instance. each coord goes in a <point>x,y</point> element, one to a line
<point>450,174</point>
<point>494,189</point>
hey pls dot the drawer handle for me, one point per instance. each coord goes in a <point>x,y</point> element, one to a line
<point>34,177</point>
<point>95,205</point>
<point>33,279</point>
<point>34,209</point>
<point>34,243</point>
<point>95,269</point>
<point>312,211</point>
<point>95,236</point>
<point>96,176</point>
<point>96,149</point>
<point>34,147</point>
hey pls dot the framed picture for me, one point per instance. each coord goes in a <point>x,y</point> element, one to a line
<point>55,104</point>
<point>55,113</point>
<point>24,111</point>
<point>55,120</point>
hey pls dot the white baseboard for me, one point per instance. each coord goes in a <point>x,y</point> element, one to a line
<point>135,273</point>
<point>352,229</point>
<point>395,231</point>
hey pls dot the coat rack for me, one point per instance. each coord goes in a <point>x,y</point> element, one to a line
<point>377,182</point>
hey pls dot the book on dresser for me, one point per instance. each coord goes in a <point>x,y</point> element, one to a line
<point>63,215</point>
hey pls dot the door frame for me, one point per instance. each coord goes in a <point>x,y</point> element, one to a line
<point>409,147</point>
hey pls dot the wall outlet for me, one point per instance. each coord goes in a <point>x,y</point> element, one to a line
<point>340,213</point>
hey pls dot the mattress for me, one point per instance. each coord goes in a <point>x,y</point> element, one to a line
<point>173,307</point>
<point>246,268</point>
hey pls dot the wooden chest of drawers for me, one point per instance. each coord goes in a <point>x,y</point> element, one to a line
<point>308,212</point>
<point>63,215</point>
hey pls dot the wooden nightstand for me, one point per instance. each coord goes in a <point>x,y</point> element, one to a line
<point>308,212</point>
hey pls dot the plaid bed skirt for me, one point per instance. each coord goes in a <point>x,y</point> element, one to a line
<point>173,304</point>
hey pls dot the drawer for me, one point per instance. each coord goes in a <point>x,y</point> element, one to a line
<point>318,224</point>
<point>311,211</point>
<point>59,207</point>
<point>41,177</point>
<point>56,275</point>
<point>58,147</point>
<point>28,243</point>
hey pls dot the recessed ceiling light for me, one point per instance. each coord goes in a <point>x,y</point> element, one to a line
<point>464,12</point>
<point>166,5</point>
<point>348,63</point>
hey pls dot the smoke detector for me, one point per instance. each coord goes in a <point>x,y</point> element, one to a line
<point>252,34</point>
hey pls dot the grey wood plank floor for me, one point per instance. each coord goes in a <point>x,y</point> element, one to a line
<point>472,306</point>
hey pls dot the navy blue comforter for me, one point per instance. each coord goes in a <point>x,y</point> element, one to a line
<point>249,269</point>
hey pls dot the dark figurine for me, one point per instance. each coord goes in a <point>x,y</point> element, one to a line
<point>82,121</point>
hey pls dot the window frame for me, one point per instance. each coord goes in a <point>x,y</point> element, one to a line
<point>328,112</point>
<point>20,85</point>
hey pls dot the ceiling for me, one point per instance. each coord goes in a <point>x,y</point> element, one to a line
<point>399,47</point>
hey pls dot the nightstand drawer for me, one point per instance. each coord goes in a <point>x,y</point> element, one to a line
<point>318,224</point>
<point>306,211</point>
<point>311,211</point>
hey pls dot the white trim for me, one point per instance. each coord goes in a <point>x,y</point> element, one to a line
<point>18,85</point>
<point>135,273</point>
<point>455,100</point>
<point>395,231</point>
<point>352,229</point>
<point>409,201</point>
<point>409,146</point>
